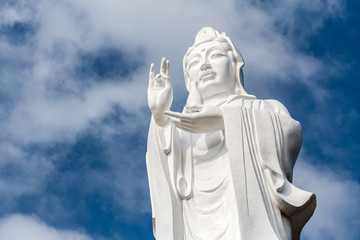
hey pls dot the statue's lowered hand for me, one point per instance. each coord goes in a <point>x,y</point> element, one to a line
<point>201,119</point>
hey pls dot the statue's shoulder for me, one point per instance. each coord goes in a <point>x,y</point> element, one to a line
<point>252,102</point>
<point>275,106</point>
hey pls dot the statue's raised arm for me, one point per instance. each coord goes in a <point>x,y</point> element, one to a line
<point>222,168</point>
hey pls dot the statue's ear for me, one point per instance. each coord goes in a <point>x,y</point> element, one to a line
<point>187,83</point>
<point>238,58</point>
<point>240,61</point>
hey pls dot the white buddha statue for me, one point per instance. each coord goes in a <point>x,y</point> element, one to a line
<point>221,169</point>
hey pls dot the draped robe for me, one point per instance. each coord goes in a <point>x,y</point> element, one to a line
<point>231,184</point>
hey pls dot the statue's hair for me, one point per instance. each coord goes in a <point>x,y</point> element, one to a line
<point>208,34</point>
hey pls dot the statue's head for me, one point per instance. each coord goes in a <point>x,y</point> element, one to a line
<point>215,64</point>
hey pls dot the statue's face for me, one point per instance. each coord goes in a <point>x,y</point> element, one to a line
<point>209,64</point>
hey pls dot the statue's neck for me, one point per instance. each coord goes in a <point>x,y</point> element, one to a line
<point>217,99</point>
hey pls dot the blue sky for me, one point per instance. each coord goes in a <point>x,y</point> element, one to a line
<point>74,116</point>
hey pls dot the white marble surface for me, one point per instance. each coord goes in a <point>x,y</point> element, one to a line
<point>221,169</point>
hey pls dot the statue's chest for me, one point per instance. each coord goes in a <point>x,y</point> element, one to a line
<point>209,158</point>
<point>208,146</point>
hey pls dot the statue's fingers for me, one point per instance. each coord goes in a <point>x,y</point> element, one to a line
<point>163,66</point>
<point>194,108</point>
<point>198,106</point>
<point>186,124</point>
<point>157,80</point>
<point>181,122</point>
<point>175,120</point>
<point>182,117</point>
<point>175,114</point>
<point>164,76</point>
<point>184,128</point>
<point>164,80</point>
<point>167,68</point>
<point>151,75</point>
<point>167,74</point>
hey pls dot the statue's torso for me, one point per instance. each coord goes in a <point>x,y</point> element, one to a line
<point>211,211</point>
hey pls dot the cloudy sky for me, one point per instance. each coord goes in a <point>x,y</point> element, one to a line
<point>74,116</point>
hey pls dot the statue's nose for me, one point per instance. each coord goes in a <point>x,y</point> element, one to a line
<point>205,66</point>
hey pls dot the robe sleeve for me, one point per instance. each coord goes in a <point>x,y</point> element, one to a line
<point>298,205</point>
<point>161,159</point>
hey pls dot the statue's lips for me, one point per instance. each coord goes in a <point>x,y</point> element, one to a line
<point>208,75</point>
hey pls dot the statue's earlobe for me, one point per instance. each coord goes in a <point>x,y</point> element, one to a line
<point>187,83</point>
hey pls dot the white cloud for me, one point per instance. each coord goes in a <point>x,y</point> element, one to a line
<point>22,227</point>
<point>21,172</point>
<point>338,195</point>
<point>47,119</point>
<point>9,15</point>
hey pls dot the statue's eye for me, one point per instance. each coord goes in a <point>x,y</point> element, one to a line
<point>193,63</point>
<point>216,55</point>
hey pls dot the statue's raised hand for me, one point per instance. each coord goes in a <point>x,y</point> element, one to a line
<point>160,93</point>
